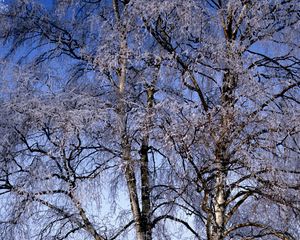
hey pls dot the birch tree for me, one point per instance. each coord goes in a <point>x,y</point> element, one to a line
<point>232,141</point>
<point>189,108</point>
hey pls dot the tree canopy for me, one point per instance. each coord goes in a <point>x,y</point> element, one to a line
<point>137,119</point>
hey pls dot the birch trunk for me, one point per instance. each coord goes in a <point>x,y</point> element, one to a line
<point>145,176</point>
<point>126,148</point>
<point>125,143</point>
